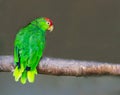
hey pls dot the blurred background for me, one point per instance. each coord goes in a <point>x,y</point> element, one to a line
<point>84,29</point>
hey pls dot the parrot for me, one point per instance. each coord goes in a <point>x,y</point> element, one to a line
<point>29,46</point>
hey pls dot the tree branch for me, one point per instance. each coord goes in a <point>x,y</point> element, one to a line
<point>64,67</point>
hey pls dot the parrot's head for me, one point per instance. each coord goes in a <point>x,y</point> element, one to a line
<point>45,24</point>
<point>49,24</point>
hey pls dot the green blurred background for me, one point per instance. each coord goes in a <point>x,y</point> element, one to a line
<point>84,30</point>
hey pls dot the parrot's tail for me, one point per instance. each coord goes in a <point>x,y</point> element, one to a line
<point>18,72</point>
<point>30,75</point>
<point>24,75</point>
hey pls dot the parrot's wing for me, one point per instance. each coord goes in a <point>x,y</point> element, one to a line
<point>21,56</point>
<point>20,48</point>
<point>34,58</point>
<point>32,64</point>
<point>36,47</point>
<point>16,55</point>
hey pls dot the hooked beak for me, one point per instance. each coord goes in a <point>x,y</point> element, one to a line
<point>51,28</point>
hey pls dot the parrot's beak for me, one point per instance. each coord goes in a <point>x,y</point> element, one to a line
<point>51,28</point>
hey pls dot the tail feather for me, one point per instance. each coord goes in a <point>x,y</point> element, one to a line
<point>23,77</point>
<point>18,72</point>
<point>31,75</point>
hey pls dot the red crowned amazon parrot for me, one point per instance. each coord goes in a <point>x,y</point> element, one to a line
<point>28,48</point>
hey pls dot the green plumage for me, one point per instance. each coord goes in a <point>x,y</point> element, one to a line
<point>28,49</point>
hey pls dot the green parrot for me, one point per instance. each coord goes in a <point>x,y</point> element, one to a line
<point>28,48</point>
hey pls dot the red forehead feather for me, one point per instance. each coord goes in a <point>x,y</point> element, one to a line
<point>47,19</point>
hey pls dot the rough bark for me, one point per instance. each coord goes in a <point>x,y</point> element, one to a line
<point>65,67</point>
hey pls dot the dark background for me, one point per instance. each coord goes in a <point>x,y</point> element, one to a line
<point>84,30</point>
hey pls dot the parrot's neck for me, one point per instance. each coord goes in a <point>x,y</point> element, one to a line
<point>39,26</point>
<point>35,27</point>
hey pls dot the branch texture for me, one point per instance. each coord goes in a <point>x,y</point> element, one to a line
<point>64,67</point>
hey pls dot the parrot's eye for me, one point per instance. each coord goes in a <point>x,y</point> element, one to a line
<point>48,23</point>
